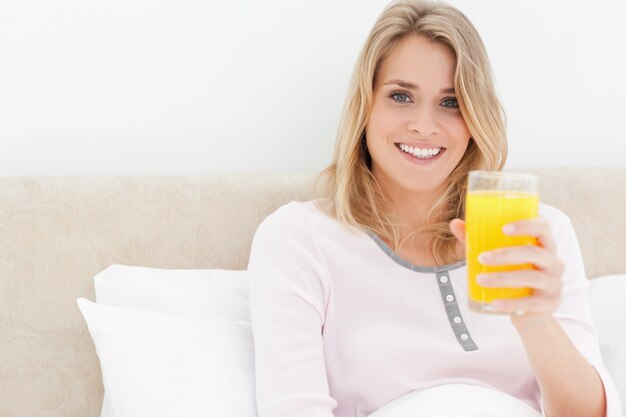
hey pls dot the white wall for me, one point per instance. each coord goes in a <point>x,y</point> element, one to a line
<point>132,87</point>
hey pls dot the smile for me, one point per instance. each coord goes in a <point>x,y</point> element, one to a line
<point>420,153</point>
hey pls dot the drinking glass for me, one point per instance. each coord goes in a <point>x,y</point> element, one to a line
<point>495,199</point>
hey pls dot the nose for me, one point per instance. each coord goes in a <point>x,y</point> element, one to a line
<point>423,121</point>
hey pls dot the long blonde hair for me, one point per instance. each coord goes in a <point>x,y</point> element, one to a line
<point>356,197</point>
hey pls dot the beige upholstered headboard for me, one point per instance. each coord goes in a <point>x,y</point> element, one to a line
<point>56,233</point>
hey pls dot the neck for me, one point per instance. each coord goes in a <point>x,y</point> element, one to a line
<point>413,210</point>
<point>411,213</point>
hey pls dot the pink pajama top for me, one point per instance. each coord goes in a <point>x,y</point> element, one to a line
<point>342,325</point>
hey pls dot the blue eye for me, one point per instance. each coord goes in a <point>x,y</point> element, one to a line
<point>400,97</point>
<point>450,102</point>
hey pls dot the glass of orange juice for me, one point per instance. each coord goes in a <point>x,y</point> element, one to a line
<point>494,199</point>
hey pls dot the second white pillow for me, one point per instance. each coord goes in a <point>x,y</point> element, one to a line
<point>195,292</point>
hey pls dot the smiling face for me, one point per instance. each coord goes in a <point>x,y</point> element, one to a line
<point>416,134</point>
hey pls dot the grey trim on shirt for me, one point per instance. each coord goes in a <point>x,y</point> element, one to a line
<point>445,288</point>
<point>381,243</point>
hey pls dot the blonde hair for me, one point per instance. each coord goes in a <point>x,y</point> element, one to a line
<point>356,197</point>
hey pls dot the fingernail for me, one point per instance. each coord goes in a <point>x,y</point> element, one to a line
<point>497,305</point>
<point>508,228</point>
<point>481,278</point>
<point>484,257</point>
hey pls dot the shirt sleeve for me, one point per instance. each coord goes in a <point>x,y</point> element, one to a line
<point>289,294</point>
<point>574,312</point>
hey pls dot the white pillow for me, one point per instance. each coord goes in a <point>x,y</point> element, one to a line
<point>456,400</point>
<point>606,296</point>
<point>165,365</point>
<point>197,292</point>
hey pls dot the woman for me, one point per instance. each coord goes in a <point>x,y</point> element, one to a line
<point>360,298</point>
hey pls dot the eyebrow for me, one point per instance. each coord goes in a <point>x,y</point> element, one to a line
<point>411,86</point>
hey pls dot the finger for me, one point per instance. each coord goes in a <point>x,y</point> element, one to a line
<point>457,227</point>
<point>519,255</point>
<point>526,278</point>
<point>538,227</point>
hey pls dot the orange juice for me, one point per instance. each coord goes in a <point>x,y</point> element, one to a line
<point>486,212</point>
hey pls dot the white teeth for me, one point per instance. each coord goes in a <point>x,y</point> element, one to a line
<point>422,153</point>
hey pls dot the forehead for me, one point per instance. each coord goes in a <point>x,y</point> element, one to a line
<point>421,61</point>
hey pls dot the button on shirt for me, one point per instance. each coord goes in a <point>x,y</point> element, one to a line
<point>342,325</point>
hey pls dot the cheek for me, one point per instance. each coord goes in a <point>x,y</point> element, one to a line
<point>458,131</point>
<point>382,120</point>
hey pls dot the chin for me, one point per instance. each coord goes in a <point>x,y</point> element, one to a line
<point>422,187</point>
